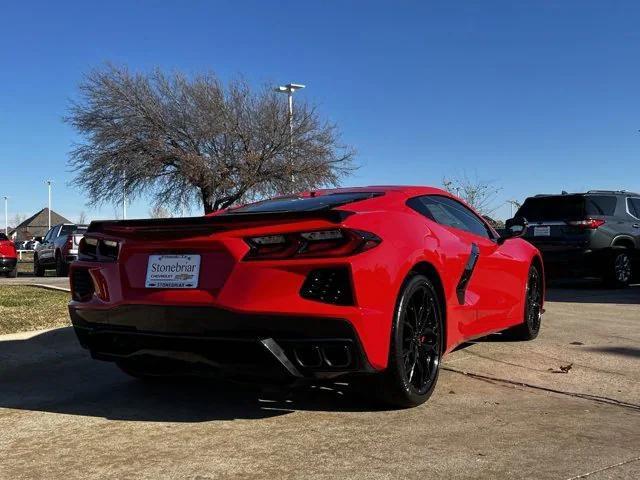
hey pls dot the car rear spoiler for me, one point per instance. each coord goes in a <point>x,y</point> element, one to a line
<point>211,223</point>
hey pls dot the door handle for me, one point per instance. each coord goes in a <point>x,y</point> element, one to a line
<point>636,225</point>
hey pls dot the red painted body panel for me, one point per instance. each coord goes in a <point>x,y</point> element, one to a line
<point>7,249</point>
<point>494,298</point>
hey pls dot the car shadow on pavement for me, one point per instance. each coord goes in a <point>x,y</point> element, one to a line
<point>633,352</point>
<point>586,291</point>
<point>50,372</point>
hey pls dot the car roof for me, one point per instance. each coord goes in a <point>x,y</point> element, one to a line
<point>394,196</point>
<point>590,192</point>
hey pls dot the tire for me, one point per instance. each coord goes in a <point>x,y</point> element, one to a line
<point>619,269</point>
<point>416,347</point>
<point>62,269</point>
<point>38,269</point>
<point>13,273</point>
<point>530,327</point>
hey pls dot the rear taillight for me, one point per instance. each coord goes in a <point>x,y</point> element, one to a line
<point>68,244</point>
<point>93,249</point>
<point>318,243</point>
<point>587,224</point>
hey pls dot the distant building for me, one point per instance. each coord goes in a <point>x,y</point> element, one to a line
<point>36,225</point>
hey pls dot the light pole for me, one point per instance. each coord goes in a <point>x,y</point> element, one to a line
<point>6,215</point>
<point>49,188</point>
<point>513,203</point>
<point>289,88</point>
<point>124,194</point>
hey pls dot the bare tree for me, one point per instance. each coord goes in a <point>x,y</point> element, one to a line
<point>18,218</point>
<point>182,139</point>
<point>82,218</point>
<point>480,194</point>
<point>158,211</point>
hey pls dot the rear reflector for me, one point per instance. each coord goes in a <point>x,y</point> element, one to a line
<point>328,285</point>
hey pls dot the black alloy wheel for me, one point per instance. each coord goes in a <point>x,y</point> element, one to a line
<point>622,270</point>
<point>534,296</point>
<point>417,345</point>
<point>420,340</point>
<point>534,300</point>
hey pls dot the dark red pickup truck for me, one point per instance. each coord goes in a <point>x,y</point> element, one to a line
<point>8,257</point>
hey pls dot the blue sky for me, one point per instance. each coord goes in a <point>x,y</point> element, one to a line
<point>536,96</point>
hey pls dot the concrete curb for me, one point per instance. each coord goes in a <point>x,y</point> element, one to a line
<point>47,287</point>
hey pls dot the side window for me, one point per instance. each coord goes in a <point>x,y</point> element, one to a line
<point>634,206</point>
<point>600,204</point>
<point>451,213</point>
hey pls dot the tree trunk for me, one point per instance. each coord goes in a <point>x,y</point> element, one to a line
<point>207,201</point>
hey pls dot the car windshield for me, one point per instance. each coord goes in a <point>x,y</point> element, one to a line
<point>303,204</point>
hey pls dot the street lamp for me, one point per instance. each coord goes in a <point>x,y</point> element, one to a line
<point>48,182</point>
<point>513,203</point>
<point>289,88</point>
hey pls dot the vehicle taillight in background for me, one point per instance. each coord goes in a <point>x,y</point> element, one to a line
<point>319,243</point>
<point>587,224</point>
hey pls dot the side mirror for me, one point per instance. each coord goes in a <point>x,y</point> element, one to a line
<point>514,228</point>
<point>38,239</point>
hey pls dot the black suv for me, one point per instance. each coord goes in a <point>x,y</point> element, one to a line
<point>597,232</point>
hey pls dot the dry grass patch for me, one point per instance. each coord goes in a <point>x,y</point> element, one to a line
<point>24,308</point>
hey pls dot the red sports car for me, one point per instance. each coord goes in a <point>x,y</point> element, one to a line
<point>374,283</point>
<point>8,257</point>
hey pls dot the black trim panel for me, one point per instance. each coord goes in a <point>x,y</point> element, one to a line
<point>232,342</point>
<point>209,224</point>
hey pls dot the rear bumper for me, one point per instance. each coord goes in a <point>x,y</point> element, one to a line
<point>214,341</point>
<point>7,264</point>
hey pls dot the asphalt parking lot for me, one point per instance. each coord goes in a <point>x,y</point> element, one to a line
<point>501,410</point>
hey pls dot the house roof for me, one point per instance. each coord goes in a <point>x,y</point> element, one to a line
<point>41,220</point>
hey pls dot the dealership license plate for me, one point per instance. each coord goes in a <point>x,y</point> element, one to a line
<point>542,231</point>
<point>173,271</point>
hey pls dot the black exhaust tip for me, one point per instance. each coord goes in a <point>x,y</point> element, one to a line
<point>337,356</point>
<point>308,356</point>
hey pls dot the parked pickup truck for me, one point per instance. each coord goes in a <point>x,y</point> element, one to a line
<point>58,249</point>
<point>8,257</point>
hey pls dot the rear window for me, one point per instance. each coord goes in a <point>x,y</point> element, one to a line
<point>304,204</point>
<point>567,207</point>
<point>67,229</point>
